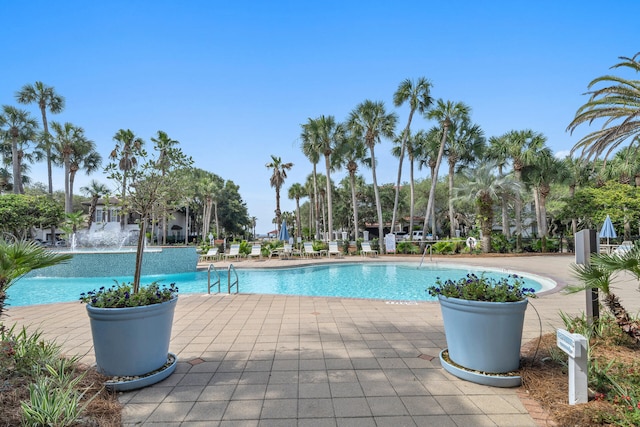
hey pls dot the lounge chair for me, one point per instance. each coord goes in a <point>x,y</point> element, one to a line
<point>256,251</point>
<point>334,249</point>
<point>234,252</point>
<point>309,251</point>
<point>366,250</point>
<point>212,254</point>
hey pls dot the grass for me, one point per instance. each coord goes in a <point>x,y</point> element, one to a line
<point>614,376</point>
<point>39,386</point>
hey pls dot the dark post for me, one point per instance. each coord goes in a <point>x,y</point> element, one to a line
<point>587,243</point>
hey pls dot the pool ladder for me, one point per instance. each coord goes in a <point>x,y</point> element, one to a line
<point>230,285</point>
<point>425,253</point>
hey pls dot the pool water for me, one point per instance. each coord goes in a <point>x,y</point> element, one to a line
<point>394,282</point>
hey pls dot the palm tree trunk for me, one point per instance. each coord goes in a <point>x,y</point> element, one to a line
<point>378,203</point>
<point>628,326</point>
<point>434,180</point>
<point>316,204</point>
<point>405,136</point>
<point>17,179</point>
<point>412,195</point>
<point>354,201</point>
<point>329,197</point>
<point>47,142</point>
<point>452,228</point>
<point>518,208</point>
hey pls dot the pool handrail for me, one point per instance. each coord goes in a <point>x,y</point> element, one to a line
<point>211,266</point>
<point>235,283</point>
<point>425,253</point>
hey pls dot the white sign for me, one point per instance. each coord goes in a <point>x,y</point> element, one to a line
<point>567,342</point>
<point>575,345</point>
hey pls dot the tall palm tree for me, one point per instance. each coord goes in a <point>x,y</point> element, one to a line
<point>414,146</point>
<point>327,135</point>
<point>497,151</point>
<point>74,151</point>
<point>370,123</point>
<point>618,104</point>
<point>544,170</point>
<point>165,146</point>
<point>47,99</point>
<point>297,191</point>
<point>446,113</point>
<point>466,143</point>
<point>427,150</point>
<point>18,128</point>
<point>418,95</point>
<point>522,148</point>
<point>95,190</point>
<point>353,151</point>
<point>485,188</point>
<point>126,152</point>
<point>277,180</point>
<point>311,149</point>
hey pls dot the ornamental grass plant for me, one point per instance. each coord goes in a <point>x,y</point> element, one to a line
<point>482,288</point>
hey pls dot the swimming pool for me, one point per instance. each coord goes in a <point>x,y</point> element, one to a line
<point>385,281</point>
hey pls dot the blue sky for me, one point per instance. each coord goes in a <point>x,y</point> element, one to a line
<point>233,81</point>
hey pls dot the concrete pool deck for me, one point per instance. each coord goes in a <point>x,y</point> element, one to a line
<point>270,360</point>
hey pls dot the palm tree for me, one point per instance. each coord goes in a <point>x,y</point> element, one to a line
<point>446,113</point>
<point>618,104</point>
<point>127,150</point>
<point>74,151</point>
<point>540,174</point>
<point>466,143</point>
<point>485,188</point>
<point>297,191</point>
<point>47,99</point>
<point>427,150</point>
<point>599,274</point>
<point>353,151</point>
<point>497,151</point>
<point>277,180</point>
<point>418,94</point>
<point>95,190</point>
<point>578,175</point>
<point>326,134</point>
<point>165,146</point>
<point>17,258</point>
<point>522,148</point>
<point>311,149</point>
<point>370,123</point>
<point>17,127</point>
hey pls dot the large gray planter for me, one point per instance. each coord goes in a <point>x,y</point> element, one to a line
<point>131,341</point>
<point>483,336</point>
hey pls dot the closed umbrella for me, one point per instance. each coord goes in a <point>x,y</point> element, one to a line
<point>284,233</point>
<point>607,231</point>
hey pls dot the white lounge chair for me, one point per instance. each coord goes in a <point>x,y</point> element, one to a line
<point>256,251</point>
<point>212,254</point>
<point>234,252</point>
<point>334,249</point>
<point>309,251</point>
<point>366,250</point>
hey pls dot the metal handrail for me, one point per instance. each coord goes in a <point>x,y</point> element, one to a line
<point>230,285</point>
<point>209,278</point>
<point>425,253</point>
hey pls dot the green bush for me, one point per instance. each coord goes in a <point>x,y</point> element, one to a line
<point>407,248</point>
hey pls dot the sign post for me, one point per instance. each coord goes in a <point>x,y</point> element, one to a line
<point>575,345</point>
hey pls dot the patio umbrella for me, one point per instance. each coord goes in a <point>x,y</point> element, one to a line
<point>607,231</point>
<point>284,233</point>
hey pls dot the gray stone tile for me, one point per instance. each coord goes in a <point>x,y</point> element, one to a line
<point>206,411</point>
<point>279,408</point>
<point>249,391</point>
<point>170,412</point>
<point>243,410</point>
<point>422,405</point>
<point>313,390</point>
<point>395,421</point>
<point>346,390</point>
<point>217,392</point>
<point>351,407</point>
<point>356,422</point>
<point>434,421</point>
<point>386,406</point>
<point>315,408</point>
<point>184,394</point>
<point>377,388</point>
<point>281,391</point>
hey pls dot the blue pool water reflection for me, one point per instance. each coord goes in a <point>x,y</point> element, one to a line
<point>386,281</point>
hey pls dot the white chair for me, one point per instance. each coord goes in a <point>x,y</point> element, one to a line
<point>256,251</point>
<point>366,250</point>
<point>334,249</point>
<point>212,254</point>
<point>234,252</point>
<point>309,251</point>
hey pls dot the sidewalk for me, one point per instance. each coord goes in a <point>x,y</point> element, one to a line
<point>269,360</point>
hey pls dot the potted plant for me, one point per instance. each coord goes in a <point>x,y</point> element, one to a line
<point>131,323</point>
<point>483,319</point>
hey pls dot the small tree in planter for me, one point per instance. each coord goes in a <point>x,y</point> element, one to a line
<point>131,325</point>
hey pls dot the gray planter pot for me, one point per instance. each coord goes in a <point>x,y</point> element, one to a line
<point>131,341</point>
<point>483,336</point>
